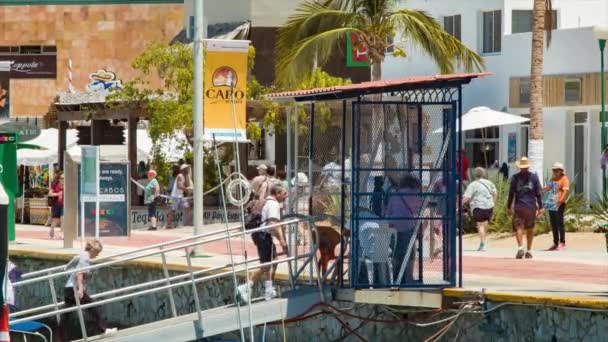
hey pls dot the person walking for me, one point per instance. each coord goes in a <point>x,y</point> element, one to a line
<point>524,204</point>
<point>504,171</point>
<point>57,208</point>
<point>481,195</point>
<point>557,191</point>
<point>76,285</point>
<point>180,185</point>
<point>151,192</point>
<point>402,207</point>
<point>262,176</point>
<point>271,214</point>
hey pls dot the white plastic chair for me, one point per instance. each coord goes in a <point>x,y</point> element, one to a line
<point>377,246</point>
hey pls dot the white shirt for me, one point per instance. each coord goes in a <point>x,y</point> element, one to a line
<point>480,193</point>
<point>176,192</point>
<point>83,261</point>
<point>271,210</point>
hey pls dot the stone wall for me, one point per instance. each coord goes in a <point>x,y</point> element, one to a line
<point>505,324</point>
<point>93,36</point>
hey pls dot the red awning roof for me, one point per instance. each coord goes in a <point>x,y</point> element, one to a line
<point>377,86</point>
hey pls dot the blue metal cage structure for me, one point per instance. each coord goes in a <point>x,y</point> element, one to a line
<point>400,192</point>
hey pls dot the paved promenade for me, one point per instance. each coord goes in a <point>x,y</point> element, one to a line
<point>580,270</point>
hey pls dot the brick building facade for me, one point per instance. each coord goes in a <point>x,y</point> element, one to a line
<point>93,36</point>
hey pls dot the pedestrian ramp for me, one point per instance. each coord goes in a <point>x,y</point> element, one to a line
<point>219,320</point>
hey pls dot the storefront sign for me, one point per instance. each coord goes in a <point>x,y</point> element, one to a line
<point>113,202</point>
<point>225,89</point>
<point>24,131</point>
<point>103,80</point>
<point>32,66</point>
<point>356,52</point>
<point>5,101</point>
<point>139,216</point>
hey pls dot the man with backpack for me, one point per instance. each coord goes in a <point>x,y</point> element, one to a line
<point>525,204</point>
<point>270,214</point>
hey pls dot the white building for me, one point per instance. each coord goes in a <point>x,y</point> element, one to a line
<point>500,31</point>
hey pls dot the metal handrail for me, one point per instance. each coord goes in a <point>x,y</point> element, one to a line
<point>145,255</point>
<point>113,256</point>
<point>147,292</point>
<point>167,281</point>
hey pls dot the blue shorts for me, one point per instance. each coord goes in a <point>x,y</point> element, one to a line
<point>57,211</point>
<point>151,210</point>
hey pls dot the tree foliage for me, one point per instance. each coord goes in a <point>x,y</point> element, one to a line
<point>312,34</point>
<point>275,111</point>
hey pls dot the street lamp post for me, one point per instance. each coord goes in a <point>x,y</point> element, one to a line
<point>601,33</point>
<point>197,114</point>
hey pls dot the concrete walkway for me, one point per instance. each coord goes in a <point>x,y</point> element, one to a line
<point>580,270</point>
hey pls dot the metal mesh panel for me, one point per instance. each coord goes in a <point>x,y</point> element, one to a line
<point>404,195</point>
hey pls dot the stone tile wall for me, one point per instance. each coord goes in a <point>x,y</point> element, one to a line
<point>93,36</point>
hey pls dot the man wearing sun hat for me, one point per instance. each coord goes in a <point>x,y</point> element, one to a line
<point>557,190</point>
<point>525,204</point>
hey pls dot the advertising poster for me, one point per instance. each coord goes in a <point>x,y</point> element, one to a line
<point>512,147</point>
<point>113,202</point>
<point>5,94</point>
<point>225,82</point>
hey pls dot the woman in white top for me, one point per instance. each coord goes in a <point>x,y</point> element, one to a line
<point>481,194</point>
<point>77,286</point>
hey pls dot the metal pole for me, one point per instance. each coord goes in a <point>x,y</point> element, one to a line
<point>603,114</point>
<point>342,195</point>
<point>198,117</point>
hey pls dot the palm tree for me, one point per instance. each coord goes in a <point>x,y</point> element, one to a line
<point>542,21</point>
<point>311,35</point>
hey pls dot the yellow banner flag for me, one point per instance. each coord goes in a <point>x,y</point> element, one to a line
<point>225,89</point>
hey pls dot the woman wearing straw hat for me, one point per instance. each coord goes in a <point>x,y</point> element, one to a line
<point>557,191</point>
<point>525,204</point>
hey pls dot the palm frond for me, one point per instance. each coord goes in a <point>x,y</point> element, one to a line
<point>447,51</point>
<point>299,59</point>
<point>312,33</point>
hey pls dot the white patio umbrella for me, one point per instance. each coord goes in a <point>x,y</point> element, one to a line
<point>482,117</point>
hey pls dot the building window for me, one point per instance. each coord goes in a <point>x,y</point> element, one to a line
<point>573,90</point>
<point>451,24</point>
<point>482,146</point>
<point>521,21</point>
<point>524,92</point>
<point>28,50</point>
<point>492,31</point>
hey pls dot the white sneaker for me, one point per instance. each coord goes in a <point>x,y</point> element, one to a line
<point>270,293</point>
<point>110,331</point>
<point>244,290</point>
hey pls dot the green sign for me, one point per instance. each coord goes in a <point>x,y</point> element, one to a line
<point>24,131</point>
<point>8,176</point>
<point>88,171</point>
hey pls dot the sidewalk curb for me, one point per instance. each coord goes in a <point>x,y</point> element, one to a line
<point>529,299</point>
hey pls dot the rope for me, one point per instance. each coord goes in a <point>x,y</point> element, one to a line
<point>241,180</point>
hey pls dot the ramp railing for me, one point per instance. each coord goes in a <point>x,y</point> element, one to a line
<point>169,283</point>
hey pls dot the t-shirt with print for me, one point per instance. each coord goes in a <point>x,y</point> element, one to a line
<point>525,190</point>
<point>149,191</point>
<point>83,261</point>
<point>557,193</point>
<point>481,193</point>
